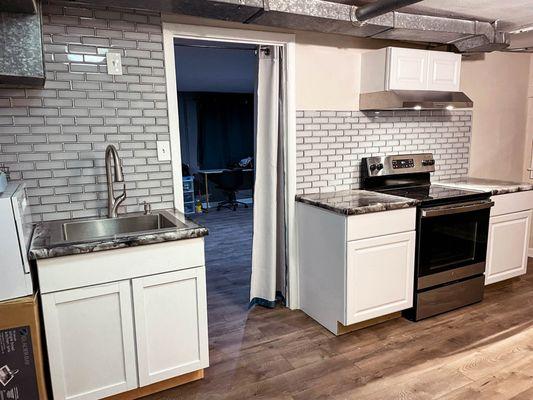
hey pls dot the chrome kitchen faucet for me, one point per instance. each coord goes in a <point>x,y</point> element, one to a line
<point>113,202</point>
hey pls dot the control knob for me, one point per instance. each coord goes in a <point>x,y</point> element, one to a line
<point>373,167</point>
<point>379,166</point>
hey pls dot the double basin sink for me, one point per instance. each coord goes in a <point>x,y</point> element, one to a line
<point>95,229</point>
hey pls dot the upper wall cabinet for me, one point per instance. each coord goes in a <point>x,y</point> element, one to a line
<point>394,68</point>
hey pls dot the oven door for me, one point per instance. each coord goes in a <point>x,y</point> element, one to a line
<point>452,242</point>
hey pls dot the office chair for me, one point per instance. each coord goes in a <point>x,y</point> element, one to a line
<point>230,182</point>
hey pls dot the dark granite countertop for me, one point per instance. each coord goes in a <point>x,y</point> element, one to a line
<point>488,185</point>
<point>355,202</point>
<point>48,240</point>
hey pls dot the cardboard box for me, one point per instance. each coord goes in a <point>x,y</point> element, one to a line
<point>21,360</point>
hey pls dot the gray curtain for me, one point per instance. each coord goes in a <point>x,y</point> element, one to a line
<point>269,242</point>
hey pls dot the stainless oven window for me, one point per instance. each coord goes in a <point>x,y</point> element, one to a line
<point>452,241</point>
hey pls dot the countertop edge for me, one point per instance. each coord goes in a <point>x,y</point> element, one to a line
<point>41,248</point>
<point>495,188</point>
<point>349,211</point>
<point>41,253</point>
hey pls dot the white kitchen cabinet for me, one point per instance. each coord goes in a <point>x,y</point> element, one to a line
<point>508,239</point>
<point>394,68</point>
<point>507,247</point>
<point>444,71</point>
<point>91,348</point>
<point>408,69</point>
<point>355,268</point>
<point>379,276</point>
<point>122,319</point>
<point>170,324</point>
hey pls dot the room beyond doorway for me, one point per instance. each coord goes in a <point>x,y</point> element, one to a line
<point>216,84</point>
<point>216,90</point>
<point>173,31</point>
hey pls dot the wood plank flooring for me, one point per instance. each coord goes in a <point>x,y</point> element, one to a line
<point>484,351</point>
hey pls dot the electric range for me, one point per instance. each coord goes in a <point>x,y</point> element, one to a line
<point>451,231</point>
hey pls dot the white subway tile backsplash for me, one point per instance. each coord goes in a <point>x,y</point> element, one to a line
<point>48,135</point>
<point>331,144</point>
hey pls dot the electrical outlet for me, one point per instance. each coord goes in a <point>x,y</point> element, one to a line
<point>163,150</point>
<point>114,63</point>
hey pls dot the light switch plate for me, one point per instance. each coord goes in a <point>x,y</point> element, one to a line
<point>114,63</point>
<point>163,150</point>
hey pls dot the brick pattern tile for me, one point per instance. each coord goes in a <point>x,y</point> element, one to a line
<point>330,144</point>
<point>54,138</point>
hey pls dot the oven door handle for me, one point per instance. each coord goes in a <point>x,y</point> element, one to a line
<point>447,210</point>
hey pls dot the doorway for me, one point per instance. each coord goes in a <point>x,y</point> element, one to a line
<point>172,32</point>
<point>216,84</point>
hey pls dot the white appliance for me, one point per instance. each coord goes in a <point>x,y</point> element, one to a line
<point>16,228</point>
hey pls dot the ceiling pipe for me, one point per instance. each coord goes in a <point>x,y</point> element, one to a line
<point>381,7</point>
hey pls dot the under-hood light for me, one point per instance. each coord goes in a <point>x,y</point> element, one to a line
<point>450,107</point>
<point>417,108</point>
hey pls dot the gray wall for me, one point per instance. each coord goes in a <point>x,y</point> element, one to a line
<point>330,144</point>
<point>55,138</point>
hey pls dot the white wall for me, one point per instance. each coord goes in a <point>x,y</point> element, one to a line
<point>328,71</point>
<point>528,143</point>
<point>498,85</point>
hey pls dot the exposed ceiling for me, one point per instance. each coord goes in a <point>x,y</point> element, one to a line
<point>466,25</point>
<point>512,14</point>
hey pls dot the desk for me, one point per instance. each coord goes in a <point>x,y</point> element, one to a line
<point>207,172</point>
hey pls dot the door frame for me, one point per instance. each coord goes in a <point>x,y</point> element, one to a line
<point>172,31</point>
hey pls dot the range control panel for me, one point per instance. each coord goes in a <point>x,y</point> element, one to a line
<point>399,164</point>
<point>403,163</point>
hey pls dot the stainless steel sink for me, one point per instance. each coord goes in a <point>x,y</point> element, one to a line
<point>110,227</point>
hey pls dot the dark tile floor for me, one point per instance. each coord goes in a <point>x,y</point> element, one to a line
<point>228,252</point>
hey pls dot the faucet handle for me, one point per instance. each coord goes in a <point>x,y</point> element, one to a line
<point>121,197</point>
<point>147,208</point>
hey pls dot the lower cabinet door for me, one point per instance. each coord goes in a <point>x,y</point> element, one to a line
<point>170,324</point>
<point>507,247</point>
<point>379,276</point>
<point>90,340</point>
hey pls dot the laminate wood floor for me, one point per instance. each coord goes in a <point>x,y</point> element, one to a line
<point>484,351</point>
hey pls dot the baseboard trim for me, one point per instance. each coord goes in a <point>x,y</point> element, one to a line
<point>530,252</point>
<point>158,386</point>
<point>342,329</point>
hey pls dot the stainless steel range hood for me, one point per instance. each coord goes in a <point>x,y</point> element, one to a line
<point>413,100</point>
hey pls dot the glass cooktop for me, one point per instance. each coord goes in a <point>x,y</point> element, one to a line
<point>435,193</point>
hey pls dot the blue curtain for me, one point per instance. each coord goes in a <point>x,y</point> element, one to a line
<point>224,128</point>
